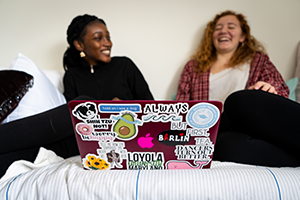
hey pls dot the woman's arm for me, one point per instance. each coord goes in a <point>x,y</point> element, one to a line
<point>69,86</point>
<point>264,74</point>
<point>185,82</point>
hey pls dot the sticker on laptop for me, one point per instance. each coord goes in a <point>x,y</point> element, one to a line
<point>126,125</point>
<point>175,164</point>
<point>85,111</point>
<point>145,160</point>
<point>203,116</point>
<point>93,162</point>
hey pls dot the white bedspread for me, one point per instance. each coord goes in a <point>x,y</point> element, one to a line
<point>67,180</point>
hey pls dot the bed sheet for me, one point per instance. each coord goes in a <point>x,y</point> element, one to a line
<point>67,180</point>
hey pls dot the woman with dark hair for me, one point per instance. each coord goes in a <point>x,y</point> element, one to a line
<point>259,122</point>
<point>91,71</point>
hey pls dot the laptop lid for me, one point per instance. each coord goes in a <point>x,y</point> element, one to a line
<point>145,135</point>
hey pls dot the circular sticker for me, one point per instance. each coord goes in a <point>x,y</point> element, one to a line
<point>203,115</point>
<point>84,129</point>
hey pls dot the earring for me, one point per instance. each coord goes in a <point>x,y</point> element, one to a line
<point>82,54</point>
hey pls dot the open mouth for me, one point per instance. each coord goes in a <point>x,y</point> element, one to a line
<point>224,40</point>
<point>106,52</point>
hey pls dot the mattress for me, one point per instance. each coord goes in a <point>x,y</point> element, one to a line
<point>66,179</point>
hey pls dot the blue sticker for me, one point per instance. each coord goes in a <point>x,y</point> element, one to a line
<point>203,115</point>
<point>119,107</point>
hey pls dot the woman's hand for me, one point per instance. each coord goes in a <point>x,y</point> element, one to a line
<point>116,99</point>
<point>260,85</point>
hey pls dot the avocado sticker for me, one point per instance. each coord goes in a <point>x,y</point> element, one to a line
<point>123,127</point>
<point>126,125</point>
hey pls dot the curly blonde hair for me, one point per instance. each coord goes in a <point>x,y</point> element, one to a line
<point>206,52</point>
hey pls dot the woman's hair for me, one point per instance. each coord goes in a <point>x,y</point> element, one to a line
<point>76,31</point>
<point>206,52</point>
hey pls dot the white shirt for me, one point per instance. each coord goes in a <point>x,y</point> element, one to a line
<point>227,81</point>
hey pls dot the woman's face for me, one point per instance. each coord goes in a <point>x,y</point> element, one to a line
<point>227,34</point>
<point>96,43</point>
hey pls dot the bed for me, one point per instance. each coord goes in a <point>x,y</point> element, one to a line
<point>66,179</point>
<point>51,177</point>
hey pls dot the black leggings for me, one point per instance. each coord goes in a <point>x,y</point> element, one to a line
<point>22,139</point>
<point>259,128</point>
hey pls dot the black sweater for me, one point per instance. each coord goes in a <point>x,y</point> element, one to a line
<point>118,78</point>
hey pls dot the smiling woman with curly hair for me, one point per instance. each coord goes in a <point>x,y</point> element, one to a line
<point>231,66</point>
<point>206,53</point>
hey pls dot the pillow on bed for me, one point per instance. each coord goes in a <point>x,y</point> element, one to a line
<point>292,84</point>
<point>13,86</point>
<point>41,97</point>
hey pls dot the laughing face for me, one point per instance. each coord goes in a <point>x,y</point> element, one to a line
<point>227,34</point>
<point>96,43</point>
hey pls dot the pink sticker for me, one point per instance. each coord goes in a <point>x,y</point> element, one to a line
<point>145,142</point>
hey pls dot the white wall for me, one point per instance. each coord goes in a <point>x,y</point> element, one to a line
<point>158,35</point>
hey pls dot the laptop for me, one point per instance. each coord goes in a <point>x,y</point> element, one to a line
<point>145,135</point>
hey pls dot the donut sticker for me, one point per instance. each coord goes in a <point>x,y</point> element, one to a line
<point>84,129</point>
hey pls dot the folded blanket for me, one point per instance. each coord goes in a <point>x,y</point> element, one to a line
<point>43,158</point>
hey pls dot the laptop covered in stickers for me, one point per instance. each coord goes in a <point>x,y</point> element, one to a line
<point>145,135</point>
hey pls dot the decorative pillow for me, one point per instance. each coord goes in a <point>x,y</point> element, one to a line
<point>292,84</point>
<point>41,97</point>
<point>13,86</point>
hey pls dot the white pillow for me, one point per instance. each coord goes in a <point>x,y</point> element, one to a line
<point>41,97</point>
<point>56,77</point>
